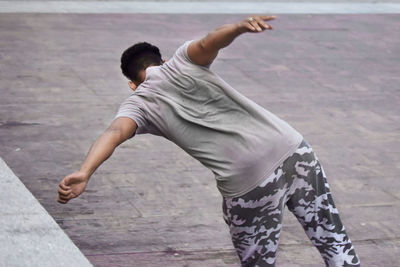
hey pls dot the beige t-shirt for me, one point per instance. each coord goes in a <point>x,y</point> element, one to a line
<point>238,140</point>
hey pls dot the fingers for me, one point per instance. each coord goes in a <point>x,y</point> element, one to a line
<point>262,20</point>
<point>64,184</point>
<point>261,25</point>
<point>267,18</point>
<point>64,191</point>
<point>257,23</point>
<point>62,200</point>
<point>64,195</point>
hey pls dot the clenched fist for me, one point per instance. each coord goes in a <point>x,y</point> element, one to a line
<point>72,186</point>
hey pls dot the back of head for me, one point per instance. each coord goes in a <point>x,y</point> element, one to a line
<point>139,57</point>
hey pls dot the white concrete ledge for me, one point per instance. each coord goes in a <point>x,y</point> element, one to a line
<point>104,7</point>
<point>28,234</point>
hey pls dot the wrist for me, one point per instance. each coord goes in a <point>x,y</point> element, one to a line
<point>240,28</point>
<point>85,173</point>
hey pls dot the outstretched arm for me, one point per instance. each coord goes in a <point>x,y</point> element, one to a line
<point>74,184</point>
<point>205,50</point>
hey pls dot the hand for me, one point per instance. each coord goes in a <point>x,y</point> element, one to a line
<point>72,186</point>
<point>255,23</point>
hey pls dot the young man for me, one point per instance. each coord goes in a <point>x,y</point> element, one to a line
<point>260,162</point>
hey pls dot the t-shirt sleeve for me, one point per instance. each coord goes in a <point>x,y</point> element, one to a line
<point>182,54</point>
<point>132,108</point>
<point>183,51</point>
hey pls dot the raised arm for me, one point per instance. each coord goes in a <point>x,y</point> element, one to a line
<point>204,51</point>
<point>74,184</point>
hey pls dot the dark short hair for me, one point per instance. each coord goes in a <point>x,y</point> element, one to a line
<point>139,57</point>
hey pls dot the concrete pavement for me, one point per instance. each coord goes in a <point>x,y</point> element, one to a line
<point>28,234</point>
<point>333,77</point>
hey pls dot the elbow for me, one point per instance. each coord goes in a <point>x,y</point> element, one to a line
<point>203,45</point>
<point>114,136</point>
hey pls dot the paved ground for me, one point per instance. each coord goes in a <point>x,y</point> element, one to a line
<point>333,77</point>
<point>30,234</point>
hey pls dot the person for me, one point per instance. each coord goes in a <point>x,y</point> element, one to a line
<point>260,162</point>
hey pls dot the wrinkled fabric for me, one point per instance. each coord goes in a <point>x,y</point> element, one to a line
<point>238,140</point>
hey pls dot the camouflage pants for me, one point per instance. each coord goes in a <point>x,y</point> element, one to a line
<point>255,219</point>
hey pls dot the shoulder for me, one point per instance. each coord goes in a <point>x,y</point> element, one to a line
<point>181,58</point>
<point>182,51</point>
<point>132,107</point>
<point>132,103</point>
<point>135,97</point>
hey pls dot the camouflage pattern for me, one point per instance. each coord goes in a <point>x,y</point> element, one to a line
<point>255,219</point>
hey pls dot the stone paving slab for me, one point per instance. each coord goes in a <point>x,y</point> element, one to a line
<point>333,77</point>
<point>28,234</point>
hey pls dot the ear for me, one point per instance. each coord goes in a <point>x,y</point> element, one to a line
<point>132,85</point>
<point>164,60</point>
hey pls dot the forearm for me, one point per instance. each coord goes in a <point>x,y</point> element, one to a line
<point>74,184</point>
<point>204,51</point>
<point>100,151</point>
<point>221,37</point>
